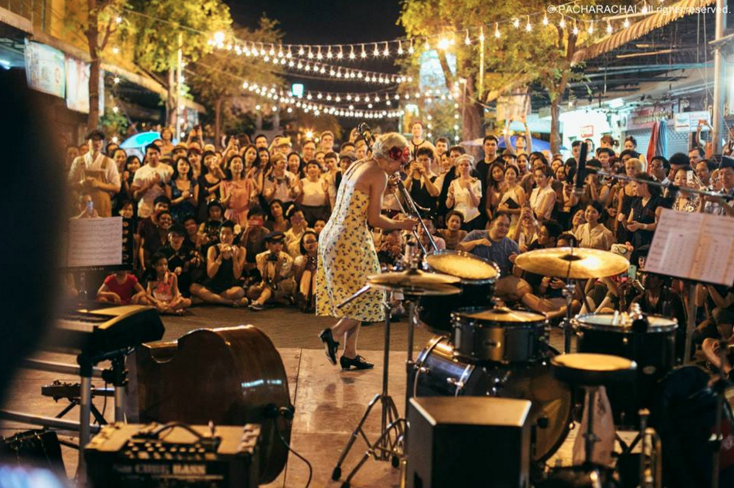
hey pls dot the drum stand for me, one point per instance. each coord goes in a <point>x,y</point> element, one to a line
<point>568,292</point>
<point>392,428</point>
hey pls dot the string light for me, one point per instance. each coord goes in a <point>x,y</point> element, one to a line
<point>545,19</point>
<point>562,23</point>
<point>528,27</point>
<point>400,49</point>
<point>467,41</point>
<point>410,49</point>
<point>609,28</point>
<point>516,23</point>
<point>575,29</point>
<point>590,30</point>
<point>626,23</point>
<point>496,30</point>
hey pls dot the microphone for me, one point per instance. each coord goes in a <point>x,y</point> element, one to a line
<point>581,171</point>
<point>366,132</point>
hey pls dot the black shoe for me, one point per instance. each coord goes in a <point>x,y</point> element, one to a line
<point>330,345</point>
<point>357,362</point>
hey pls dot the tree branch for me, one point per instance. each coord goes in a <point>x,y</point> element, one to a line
<point>108,32</point>
<point>448,77</point>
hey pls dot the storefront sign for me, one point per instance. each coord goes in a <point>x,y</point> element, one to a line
<point>77,85</point>
<point>45,69</point>
<point>645,118</point>
<point>688,121</point>
<point>587,131</point>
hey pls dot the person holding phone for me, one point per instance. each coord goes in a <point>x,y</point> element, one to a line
<point>686,201</point>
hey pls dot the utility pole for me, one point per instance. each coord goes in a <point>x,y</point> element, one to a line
<point>719,76</point>
<point>179,74</point>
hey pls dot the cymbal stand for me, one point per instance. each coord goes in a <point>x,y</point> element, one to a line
<point>389,444</point>
<point>568,292</point>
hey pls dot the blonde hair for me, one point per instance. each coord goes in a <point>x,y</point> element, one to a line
<point>638,164</point>
<point>385,142</point>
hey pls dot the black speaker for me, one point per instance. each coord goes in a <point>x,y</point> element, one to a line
<point>456,442</point>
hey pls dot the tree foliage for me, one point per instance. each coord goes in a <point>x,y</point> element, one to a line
<point>219,75</point>
<point>159,23</point>
<point>516,59</point>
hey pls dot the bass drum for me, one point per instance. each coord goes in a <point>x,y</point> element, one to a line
<point>437,372</point>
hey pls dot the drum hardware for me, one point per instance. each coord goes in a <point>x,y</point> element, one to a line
<point>651,464</point>
<point>389,445</point>
<point>590,371</point>
<point>439,372</point>
<point>570,264</point>
<point>649,340</point>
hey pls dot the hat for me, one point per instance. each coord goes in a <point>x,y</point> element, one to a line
<point>177,229</point>
<point>348,155</point>
<point>274,237</point>
<point>620,250</point>
<point>509,152</point>
<point>194,149</point>
<point>180,145</point>
<point>283,141</point>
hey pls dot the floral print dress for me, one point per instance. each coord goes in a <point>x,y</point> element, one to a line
<point>346,257</point>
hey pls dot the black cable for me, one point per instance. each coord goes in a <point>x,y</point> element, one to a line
<point>310,468</point>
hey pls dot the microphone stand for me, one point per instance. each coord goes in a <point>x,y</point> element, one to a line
<point>412,211</point>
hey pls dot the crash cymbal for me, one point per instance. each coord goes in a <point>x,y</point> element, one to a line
<point>420,291</point>
<point>503,314</point>
<point>576,263</point>
<point>412,278</point>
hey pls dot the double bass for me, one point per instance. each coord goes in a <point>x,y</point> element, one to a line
<point>230,376</point>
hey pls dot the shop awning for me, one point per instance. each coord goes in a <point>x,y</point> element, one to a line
<point>670,14</point>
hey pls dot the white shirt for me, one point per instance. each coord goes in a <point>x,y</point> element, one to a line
<point>83,163</point>
<point>144,176</point>
<point>314,194</point>
<point>462,200</point>
<point>537,199</point>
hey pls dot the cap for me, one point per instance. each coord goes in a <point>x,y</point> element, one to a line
<point>177,229</point>
<point>509,152</point>
<point>274,237</point>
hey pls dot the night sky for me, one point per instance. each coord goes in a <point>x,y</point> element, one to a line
<point>328,22</point>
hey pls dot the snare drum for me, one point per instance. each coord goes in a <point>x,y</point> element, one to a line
<point>478,277</point>
<point>499,335</point>
<point>438,372</point>
<point>653,349</point>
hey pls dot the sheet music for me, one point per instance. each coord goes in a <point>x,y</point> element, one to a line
<point>95,242</point>
<point>693,246</point>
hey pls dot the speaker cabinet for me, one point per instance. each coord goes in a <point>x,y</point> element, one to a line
<point>456,442</point>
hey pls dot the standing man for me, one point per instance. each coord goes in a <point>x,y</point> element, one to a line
<point>261,141</point>
<point>309,151</point>
<point>718,205</point>
<point>442,146</point>
<point>96,174</point>
<point>490,155</point>
<point>150,181</point>
<point>327,141</point>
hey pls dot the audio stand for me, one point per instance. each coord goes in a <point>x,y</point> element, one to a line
<point>388,444</point>
<point>568,292</point>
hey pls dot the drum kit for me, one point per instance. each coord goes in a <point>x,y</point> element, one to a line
<point>482,348</point>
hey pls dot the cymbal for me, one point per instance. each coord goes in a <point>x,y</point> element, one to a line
<point>503,314</point>
<point>576,263</point>
<point>421,291</point>
<point>415,281</point>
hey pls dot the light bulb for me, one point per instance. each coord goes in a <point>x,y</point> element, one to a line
<point>516,23</point>
<point>609,28</point>
<point>545,20</point>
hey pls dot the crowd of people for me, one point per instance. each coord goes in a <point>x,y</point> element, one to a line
<point>240,225</point>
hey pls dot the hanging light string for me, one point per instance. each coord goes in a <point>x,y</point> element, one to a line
<point>404,45</point>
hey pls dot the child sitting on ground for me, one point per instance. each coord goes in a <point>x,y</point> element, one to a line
<point>121,288</point>
<point>163,293</point>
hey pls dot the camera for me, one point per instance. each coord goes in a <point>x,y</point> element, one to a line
<point>272,257</point>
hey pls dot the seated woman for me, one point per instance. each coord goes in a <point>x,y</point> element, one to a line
<point>121,288</point>
<point>304,269</point>
<point>276,270</point>
<point>452,234</point>
<point>594,234</point>
<point>163,293</point>
<point>224,265</point>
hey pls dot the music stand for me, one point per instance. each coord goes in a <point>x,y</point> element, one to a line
<point>697,248</point>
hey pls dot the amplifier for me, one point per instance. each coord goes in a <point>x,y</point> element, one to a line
<point>468,442</point>
<point>173,455</point>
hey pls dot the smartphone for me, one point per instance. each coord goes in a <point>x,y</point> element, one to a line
<point>690,178</point>
<point>90,208</point>
<point>632,272</point>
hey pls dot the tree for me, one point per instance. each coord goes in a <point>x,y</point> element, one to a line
<point>516,59</point>
<point>97,22</point>
<point>219,76</point>
<point>162,27</point>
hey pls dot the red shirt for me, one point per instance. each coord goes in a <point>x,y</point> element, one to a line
<point>126,290</point>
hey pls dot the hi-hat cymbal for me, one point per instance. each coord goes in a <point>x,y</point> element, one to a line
<point>576,263</point>
<point>414,280</point>
<point>501,314</point>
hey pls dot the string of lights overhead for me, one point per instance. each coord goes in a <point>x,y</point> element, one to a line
<point>551,16</point>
